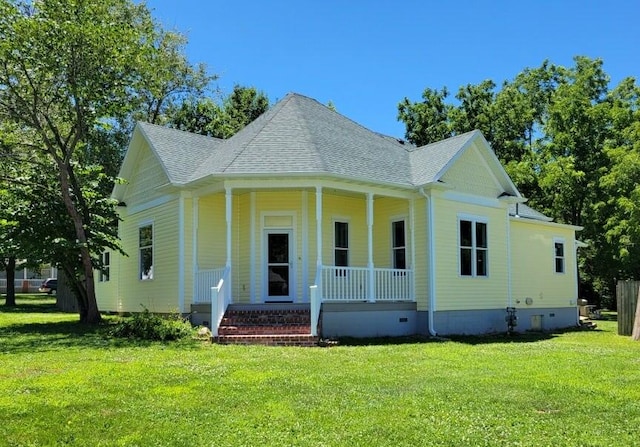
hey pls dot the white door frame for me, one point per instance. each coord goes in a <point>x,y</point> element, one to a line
<point>292,287</point>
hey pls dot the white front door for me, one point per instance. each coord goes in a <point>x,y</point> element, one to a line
<point>279,271</point>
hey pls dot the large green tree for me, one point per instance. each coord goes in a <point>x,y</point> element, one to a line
<point>73,73</point>
<point>223,119</point>
<point>569,143</point>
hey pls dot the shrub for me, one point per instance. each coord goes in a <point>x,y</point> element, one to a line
<point>149,326</point>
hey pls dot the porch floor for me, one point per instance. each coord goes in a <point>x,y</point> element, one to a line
<point>267,324</point>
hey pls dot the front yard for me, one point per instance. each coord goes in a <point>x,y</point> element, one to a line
<point>61,384</point>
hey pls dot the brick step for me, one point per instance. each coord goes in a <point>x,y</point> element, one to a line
<point>301,329</point>
<point>238,318</point>
<point>268,340</point>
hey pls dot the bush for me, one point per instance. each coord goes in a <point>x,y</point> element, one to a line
<point>149,326</point>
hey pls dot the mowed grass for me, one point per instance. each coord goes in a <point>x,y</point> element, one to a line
<point>64,384</point>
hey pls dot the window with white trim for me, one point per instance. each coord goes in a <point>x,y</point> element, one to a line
<point>558,251</point>
<point>146,252</point>
<point>341,245</point>
<point>473,247</point>
<point>106,266</point>
<point>399,244</point>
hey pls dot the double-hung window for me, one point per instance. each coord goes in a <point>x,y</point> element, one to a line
<point>106,266</point>
<point>558,249</point>
<point>146,252</point>
<point>398,244</point>
<point>341,246</point>
<point>474,250</point>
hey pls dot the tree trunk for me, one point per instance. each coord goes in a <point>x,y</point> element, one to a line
<point>85,290</point>
<point>11,282</point>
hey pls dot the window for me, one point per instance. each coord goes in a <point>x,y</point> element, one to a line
<point>146,252</point>
<point>473,248</point>
<point>559,255</point>
<point>106,265</point>
<point>398,244</point>
<point>341,246</point>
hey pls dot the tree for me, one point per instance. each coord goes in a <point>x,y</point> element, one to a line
<point>71,73</point>
<point>206,117</point>
<point>427,121</point>
<point>570,144</point>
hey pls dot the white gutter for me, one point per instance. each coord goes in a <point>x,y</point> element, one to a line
<point>432,262</point>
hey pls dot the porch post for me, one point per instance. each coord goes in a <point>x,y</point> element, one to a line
<point>228,210</point>
<point>413,247</point>
<point>318,226</point>
<point>372,278</point>
<point>194,247</point>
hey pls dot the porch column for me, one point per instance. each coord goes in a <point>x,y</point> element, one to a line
<point>194,246</point>
<point>372,278</point>
<point>413,247</point>
<point>318,226</point>
<point>228,210</point>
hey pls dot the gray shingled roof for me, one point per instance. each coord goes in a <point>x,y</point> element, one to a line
<point>300,135</point>
<point>525,211</point>
<point>179,152</point>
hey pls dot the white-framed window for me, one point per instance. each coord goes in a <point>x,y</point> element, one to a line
<point>145,250</point>
<point>399,244</point>
<point>473,246</point>
<point>558,255</point>
<point>106,266</point>
<point>341,245</point>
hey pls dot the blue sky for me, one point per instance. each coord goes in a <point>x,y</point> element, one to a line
<point>366,56</point>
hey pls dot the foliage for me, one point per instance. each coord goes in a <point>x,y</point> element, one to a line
<point>146,325</point>
<point>568,142</point>
<point>206,117</point>
<point>562,389</point>
<point>74,74</point>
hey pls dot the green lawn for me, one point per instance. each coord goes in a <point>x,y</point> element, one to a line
<point>62,384</point>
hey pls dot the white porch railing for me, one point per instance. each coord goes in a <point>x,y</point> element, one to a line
<point>220,300</point>
<point>344,283</point>
<point>352,284</point>
<point>315,302</point>
<point>205,280</point>
<point>393,285</point>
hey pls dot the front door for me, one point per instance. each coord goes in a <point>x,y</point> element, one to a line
<point>279,269</point>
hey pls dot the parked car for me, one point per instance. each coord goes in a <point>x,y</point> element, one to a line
<point>49,285</point>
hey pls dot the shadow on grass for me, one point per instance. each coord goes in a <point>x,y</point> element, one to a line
<point>57,335</point>
<point>524,337</point>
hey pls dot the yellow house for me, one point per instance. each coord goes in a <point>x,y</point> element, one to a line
<point>305,209</point>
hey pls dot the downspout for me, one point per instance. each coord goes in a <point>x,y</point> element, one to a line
<point>509,285</point>
<point>432,260</point>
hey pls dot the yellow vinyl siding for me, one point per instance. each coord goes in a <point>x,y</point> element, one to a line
<point>188,254</point>
<point>353,211</point>
<point>469,175</point>
<point>386,210</point>
<point>421,269</point>
<point>211,232</point>
<point>161,293</point>
<point>533,260</point>
<point>107,291</point>
<point>241,248</point>
<point>456,292</point>
<point>145,179</point>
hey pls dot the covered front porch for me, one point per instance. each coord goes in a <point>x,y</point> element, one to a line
<point>277,242</point>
